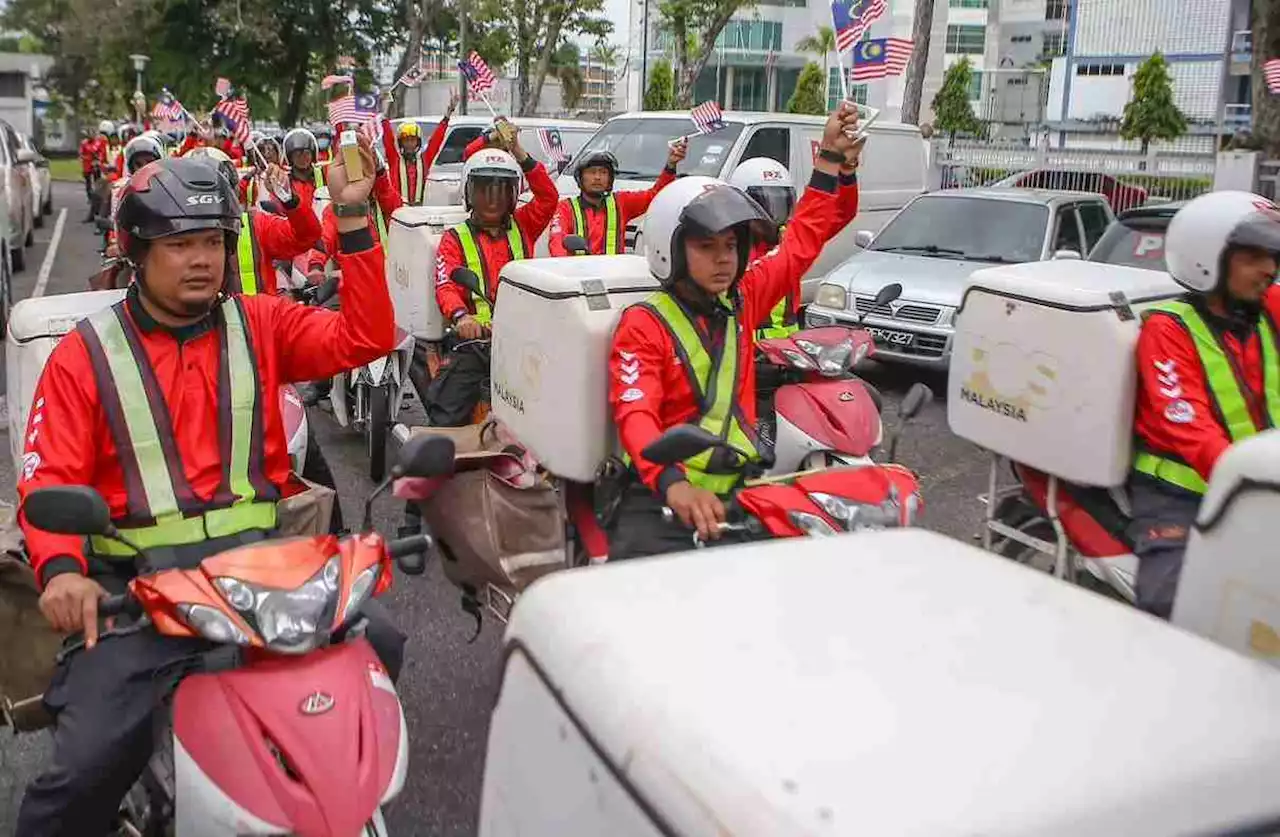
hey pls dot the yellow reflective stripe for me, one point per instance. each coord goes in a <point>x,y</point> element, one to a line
<point>1270,368</point>
<point>320,171</point>
<point>416,198</point>
<point>718,417</point>
<point>515,241</point>
<point>471,251</point>
<point>144,435</point>
<point>1170,471</point>
<point>579,221</point>
<point>778,325</point>
<point>244,396</point>
<point>1221,378</point>
<point>380,219</point>
<point>218,523</point>
<point>610,224</point>
<point>245,257</point>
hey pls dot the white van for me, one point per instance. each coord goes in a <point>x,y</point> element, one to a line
<point>893,171</point>
<point>446,171</point>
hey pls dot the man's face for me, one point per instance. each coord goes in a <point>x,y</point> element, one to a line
<point>270,152</point>
<point>410,145</point>
<point>596,179</point>
<point>301,159</point>
<point>490,201</point>
<point>184,273</point>
<point>1249,273</point>
<point>712,260</point>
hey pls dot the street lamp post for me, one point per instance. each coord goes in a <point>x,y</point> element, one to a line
<point>139,98</point>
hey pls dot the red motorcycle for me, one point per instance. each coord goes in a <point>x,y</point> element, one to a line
<point>814,503</point>
<point>289,724</point>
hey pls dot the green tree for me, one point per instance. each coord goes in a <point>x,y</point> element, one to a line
<point>694,26</point>
<point>822,43</point>
<point>811,91</point>
<point>1151,113</point>
<point>661,94</point>
<point>567,66</point>
<point>953,111</point>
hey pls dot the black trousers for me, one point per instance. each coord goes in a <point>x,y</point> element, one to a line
<point>638,529</point>
<point>317,470</point>
<point>1162,519</point>
<point>104,703</point>
<point>462,382</point>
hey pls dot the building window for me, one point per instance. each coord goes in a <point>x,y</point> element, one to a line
<point>751,36</point>
<point>1054,45</point>
<point>1015,82</point>
<point>857,92</point>
<point>968,4</point>
<point>1020,39</point>
<point>965,40</point>
<point>13,85</point>
<point>975,85</point>
<point>1099,69</point>
<point>1056,10</point>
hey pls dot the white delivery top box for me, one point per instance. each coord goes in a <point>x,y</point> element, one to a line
<point>413,235</point>
<point>1042,367</point>
<point>35,327</point>
<point>552,328</point>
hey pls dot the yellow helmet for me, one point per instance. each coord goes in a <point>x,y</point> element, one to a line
<point>408,129</point>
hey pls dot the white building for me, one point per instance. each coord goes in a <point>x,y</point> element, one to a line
<point>1107,41</point>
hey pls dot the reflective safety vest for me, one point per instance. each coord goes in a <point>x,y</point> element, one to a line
<point>782,319</point>
<point>420,186</point>
<point>248,257</point>
<point>613,244</point>
<point>251,192</point>
<point>380,220</point>
<point>320,173</point>
<point>475,261</point>
<point>715,380</point>
<point>163,510</point>
<point>1228,391</point>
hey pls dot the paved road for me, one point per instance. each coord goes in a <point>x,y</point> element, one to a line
<point>449,685</point>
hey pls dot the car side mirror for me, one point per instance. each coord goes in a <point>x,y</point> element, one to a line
<point>26,155</point>
<point>466,277</point>
<point>678,444</point>
<point>576,244</point>
<point>68,510</point>
<point>863,238</point>
<point>1067,255</point>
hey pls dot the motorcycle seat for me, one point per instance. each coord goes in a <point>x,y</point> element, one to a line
<point>1096,526</point>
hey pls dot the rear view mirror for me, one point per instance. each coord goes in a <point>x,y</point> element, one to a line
<point>678,444</point>
<point>887,294</point>
<point>68,510</point>
<point>425,455</point>
<point>576,244</point>
<point>863,238</point>
<point>467,278</point>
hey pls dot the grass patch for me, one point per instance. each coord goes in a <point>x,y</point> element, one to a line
<point>66,168</point>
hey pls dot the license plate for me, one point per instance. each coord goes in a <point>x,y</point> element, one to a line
<point>896,338</point>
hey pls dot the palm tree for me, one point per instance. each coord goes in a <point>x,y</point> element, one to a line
<point>821,44</point>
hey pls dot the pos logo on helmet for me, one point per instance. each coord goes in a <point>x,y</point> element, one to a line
<point>771,174</point>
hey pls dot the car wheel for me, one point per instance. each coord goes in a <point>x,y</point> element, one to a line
<point>31,234</point>
<point>37,220</point>
<point>18,259</point>
<point>47,209</point>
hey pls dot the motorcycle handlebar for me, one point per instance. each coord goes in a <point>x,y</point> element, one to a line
<point>123,604</point>
<point>408,546</point>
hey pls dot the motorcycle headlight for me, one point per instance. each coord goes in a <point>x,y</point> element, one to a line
<point>799,360</point>
<point>289,621</point>
<point>811,524</point>
<point>212,624</point>
<point>831,296</point>
<point>360,590</point>
<point>833,360</point>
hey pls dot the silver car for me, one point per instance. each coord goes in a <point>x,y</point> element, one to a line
<point>932,246</point>
<point>41,180</point>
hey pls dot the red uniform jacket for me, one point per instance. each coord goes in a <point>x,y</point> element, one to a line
<point>88,155</point>
<point>282,237</point>
<point>1175,413</point>
<point>532,219</point>
<point>68,441</point>
<point>112,161</point>
<point>630,205</point>
<point>649,389</point>
<point>325,155</point>
<point>428,155</point>
<point>192,141</point>
<point>475,145</point>
<point>232,150</point>
<point>388,198</point>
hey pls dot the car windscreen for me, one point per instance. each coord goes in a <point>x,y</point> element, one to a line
<point>1133,242</point>
<point>981,229</point>
<point>641,146</point>
<point>455,143</point>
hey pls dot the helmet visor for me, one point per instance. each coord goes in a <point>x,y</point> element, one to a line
<point>777,201</point>
<point>1260,230</point>
<point>719,208</point>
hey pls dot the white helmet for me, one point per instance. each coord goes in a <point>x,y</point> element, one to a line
<point>141,145</point>
<point>107,127</point>
<point>769,182</point>
<point>493,163</point>
<point>1203,231</point>
<point>706,205</point>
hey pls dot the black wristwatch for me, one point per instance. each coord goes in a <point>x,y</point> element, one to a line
<point>351,210</point>
<point>831,156</point>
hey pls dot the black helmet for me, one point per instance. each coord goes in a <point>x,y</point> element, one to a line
<point>174,196</point>
<point>299,139</point>
<point>593,159</point>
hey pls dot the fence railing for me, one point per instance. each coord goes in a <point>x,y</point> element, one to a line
<point>1127,178</point>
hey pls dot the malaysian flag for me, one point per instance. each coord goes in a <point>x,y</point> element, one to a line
<point>880,57</point>
<point>354,108</point>
<point>707,117</point>
<point>235,112</point>
<point>222,87</point>
<point>852,19</point>
<point>331,80</point>
<point>167,108</point>
<point>553,144</point>
<point>1271,72</point>
<point>480,78</point>
<point>413,75</point>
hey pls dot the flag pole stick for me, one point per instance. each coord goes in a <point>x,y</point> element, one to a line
<point>844,76</point>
